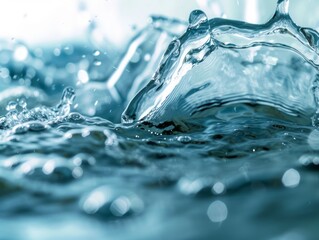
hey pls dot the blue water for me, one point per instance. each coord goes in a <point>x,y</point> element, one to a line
<point>206,129</point>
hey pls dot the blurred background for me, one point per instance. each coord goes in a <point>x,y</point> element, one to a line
<point>115,22</point>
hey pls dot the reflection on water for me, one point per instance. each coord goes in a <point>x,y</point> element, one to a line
<point>218,136</point>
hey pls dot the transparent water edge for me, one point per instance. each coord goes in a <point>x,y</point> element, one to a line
<point>219,137</point>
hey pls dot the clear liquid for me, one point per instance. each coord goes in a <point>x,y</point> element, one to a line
<point>222,140</point>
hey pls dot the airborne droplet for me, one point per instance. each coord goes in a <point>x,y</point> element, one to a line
<point>196,18</point>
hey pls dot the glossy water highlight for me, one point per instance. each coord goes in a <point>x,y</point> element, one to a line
<point>221,142</point>
<point>222,61</point>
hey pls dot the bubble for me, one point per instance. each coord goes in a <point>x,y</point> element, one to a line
<point>291,178</point>
<point>217,211</point>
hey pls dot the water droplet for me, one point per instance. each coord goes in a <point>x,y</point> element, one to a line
<point>83,76</point>
<point>23,103</point>
<point>291,178</point>
<point>68,95</point>
<point>11,106</point>
<point>68,49</point>
<point>218,188</point>
<point>96,53</point>
<point>147,57</point>
<point>184,139</point>
<point>196,18</point>
<point>217,211</point>
<point>97,63</point>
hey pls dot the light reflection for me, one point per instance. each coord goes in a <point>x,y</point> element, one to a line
<point>20,53</point>
<point>83,76</point>
<point>120,206</point>
<point>217,211</point>
<point>291,178</point>
<point>96,200</point>
<point>218,188</point>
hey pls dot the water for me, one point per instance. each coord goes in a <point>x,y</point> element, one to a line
<point>217,139</point>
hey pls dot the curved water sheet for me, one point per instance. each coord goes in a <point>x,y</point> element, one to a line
<point>219,62</point>
<point>131,74</point>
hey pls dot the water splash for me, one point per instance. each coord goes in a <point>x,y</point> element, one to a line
<point>17,112</point>
<point>132,73</point>
<point>222,61</point>
<point>102,179</point>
